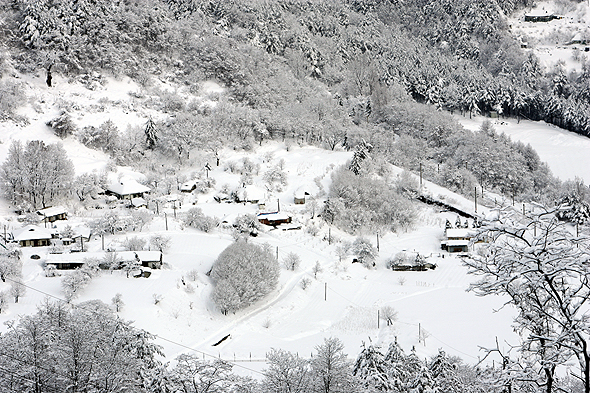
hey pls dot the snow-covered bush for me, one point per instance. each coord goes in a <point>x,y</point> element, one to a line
<point>134,243</point>
<point>192,275</point>
<point>105,137</point>
<point>62,126</point>
<point>11,97</point>
<point>195,218</point>
<point>73,283</point>
<point>304,283</point>
<point>243,273</point>
<point>365,252</point>
<point>110,223</point>
<point>247,223</point>
<point>275,178</point>
<point>401,258</point>
<point>204,185</point>
<point>10,263</point>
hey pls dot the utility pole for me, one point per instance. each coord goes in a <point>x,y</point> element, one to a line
<point>476,199</point>
<point>378,241</point>
<point>420,175</point>
<point>166,218</point>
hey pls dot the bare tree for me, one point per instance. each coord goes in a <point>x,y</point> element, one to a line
<point>541,266</point>
<point>292,261</point>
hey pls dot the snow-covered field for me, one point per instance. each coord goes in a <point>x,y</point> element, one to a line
<point>434,309</point>
<point>566,153</point>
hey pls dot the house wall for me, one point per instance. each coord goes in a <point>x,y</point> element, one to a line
<point>34,243</point>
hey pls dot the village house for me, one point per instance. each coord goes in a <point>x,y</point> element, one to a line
<point>70,261</point>
<point>251,194</point>
<point>189,186</point>
<point>542,17</point>
<point>127,189</point>
<point>457,239</point>
<point>33,236</point>
<point>274,219</point>
<point>51,214</point>
<point>299,196</point>
<point>149,259</point>
<point>579,39</point>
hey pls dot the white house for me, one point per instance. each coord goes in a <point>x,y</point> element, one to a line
<point>127,189</point>
<point>33,236</point>
<point>51,214</point>
<point>457,239</point>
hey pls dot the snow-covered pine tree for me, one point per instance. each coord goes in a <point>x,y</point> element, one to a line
<point>151,137</point>
<point>444,371</point>
<point>371,368</point>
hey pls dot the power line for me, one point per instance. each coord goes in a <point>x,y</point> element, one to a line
<point>155,335</point>
<point>410,324</point>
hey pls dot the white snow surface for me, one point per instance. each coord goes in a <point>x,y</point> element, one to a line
<point>566,153</point>
<point>343,299</point>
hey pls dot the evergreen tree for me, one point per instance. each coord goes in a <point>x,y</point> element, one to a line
<point>151,137</point>
<point>371,368</point>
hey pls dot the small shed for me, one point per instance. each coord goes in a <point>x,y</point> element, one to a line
<point>127,189</point>
<point>151,259</point>
<point>579,39</point>
<point>33,236</point>
<point>274,219</point>
<point>66,261</point>
<point>457,239</point>
<point>251,194</point>
<point>138,202</point>
<point>299,197</point>
<point>51,214</point>
<point>189,186</point>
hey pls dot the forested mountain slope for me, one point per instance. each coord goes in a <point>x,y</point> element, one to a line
<point>329,73</point>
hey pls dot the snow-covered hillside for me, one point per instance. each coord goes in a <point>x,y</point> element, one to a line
<point>434,309</point>
<point>559,40</point>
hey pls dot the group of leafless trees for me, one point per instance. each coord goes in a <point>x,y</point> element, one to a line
<point>540,265</point>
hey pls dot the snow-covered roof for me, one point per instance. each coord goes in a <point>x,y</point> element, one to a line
<point>460,232</point>
<point>127,187</point>
<point>52,211</point>
<point>300,193</point>
<point>74,257</point>
<point>142,255</point>
<point>32,232</point>
<point>188,186</point>
<point>274,216</point>
<point>254,193</point>
<point>138,202</point>
<point>456,243</point>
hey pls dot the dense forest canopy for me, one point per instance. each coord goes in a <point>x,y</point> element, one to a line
<point>331,73</point>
